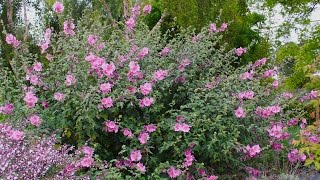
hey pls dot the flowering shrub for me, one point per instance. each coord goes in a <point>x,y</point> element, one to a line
<point>150,105</point>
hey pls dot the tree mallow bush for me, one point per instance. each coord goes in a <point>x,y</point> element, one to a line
<point>148,105</point>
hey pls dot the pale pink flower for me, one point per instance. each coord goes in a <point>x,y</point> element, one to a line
<point>141,167</point>
<point>68,28</point>
<point>183,64</point>
<point>147,9</point>
<point>246,75</point>
<point>240,51</point>
<point>223,27</point>
<point>252,151</point>
<point>7,109</point>
<point>260,62</point>
<point>30,99</point>
<point>37,66</point>
<point>134,67</point>
<point>131,23</point>
<point>160,75</point>
<point>212,177</point>
<point>135,155</point>
<point>131,89</point>
<point>111,126</point>
<point>16,135</point>
<point>127,132</point>
<point>293,155</point>
<point>275,84</point>
<point>92,39</point>
<point>58,7</point>
<point>107,102</point>
<point>87,150</point>
<point>287,95</point>
<point>108,69</point>
<point>150,128</point>
<point>213,28</point>
<point>240,113</point>
<point>302,157</point>
<point>35,120</point>
<point>182,127</point>
<point>165,51</point>
<point>135,11</point>
<point>275,131</point>
<point>246,95</point>
<point>146,88</point>
<point>49,57</point>
<point>269,73</point>
<point>146,102</point>
<point>44,46</point>
<point>47,35</point>
<point>144,51</point>
<point>173,173</point>
<point>59,96</point>
<point>143,138</point>
<point>87,162</point>
<point>70,80</point>
<point>105,88</point>
<point>12,40</point>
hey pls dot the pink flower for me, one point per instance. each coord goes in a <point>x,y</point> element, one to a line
<point>260,62</point>
<point>16,135</point>
<point>223,27</point>
<point>246,75</point>
<point>59,96</point>
<point>35,120</point>
<point>12,40</point>
<point>240,51</point>
<point>146,102</point>
<point>108,69</point>
<point>68,28</point>
<point>165,51</point>
<point>246,95</point>
<point>47,35</point>
<point>131,23</point>
<point>30,99</point>
<point>252,151</point>
<point>134,68</point>
<point>143,138</point>
<point>70,80</point>
<point>275,84</point>
<point>87,162</point>
<point>131,89</point>
<point>87,150</point>
<point>293,155</point>
<point>144,51</point>
<point>127,132</point>
<point>173,173</point>
<point>111,126</point>
<point>37,66</point>
<point>141,167</point>
<point>287,95</point>
<point>105,88</point>
<point>160,75</point>
<point>183,64</point>
<point>302,157</point>
<point>212,177</point>
<point>275,131</point>
<point>44,46</point>
<point>189,158</point>
<point>135,155</point>
<point>147,9</point>
<point>213,28</point>
<point>269,73</point>
<point>135,11</point>
<point>7,109</point>
<point>58,7</point>
<point>146,88</point>
<point>150,128</point>
<point>107,102</point>
<point>252,171</point>
<point>240,113</point>
<point>182,127</point>
<point>92,39</point>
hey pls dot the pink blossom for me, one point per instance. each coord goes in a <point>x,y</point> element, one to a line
<point>165,51</point>
<point>183,64</point>
<point>213,28</point>
<point>160,75</point>
<point>146,88</point>
<point>150,128</point>
<point>35,120</point>
<point>70,80</point>
<point>181,127</point>
<point>47,35</point>
<point>252,171</point>
<point>134,67</point>
<point>275,84</point>
<point>131,89</point>
<point>87,162</point>
<point>37,66</point>
<point>68,28</point>
<point>189,158</point>
<point>260,62</point>
<point>276,146</point>
<point>275,131</point>
<point>44,46</point>
<point>16,135</point>
<point>143,138</point>
<point>240,113</point>
<point>240,51</point>
<point>212,177</point>
<point>287,95</point>
<point>223,27</point>
<point>147,9</point>
<point>12,40</point>
<point>246,95</point>
<point>173,173</point>
<point>313,139</point>
<point>111,126</point>
<point>141,167</point>
<point>127,132</point>
<point>7,109</point>
<point>30,99</point>
<point>87,150</point>
<point>135,155</point>
<point>269,73</point>
<point>302,157</point>
<point>107,102</point>
<point>135,11</point>
<point>144,51</point>
<point>146,102</point>
<point>293,155</point>
<point>131,23</point>
<point>268,111</point>
<point>101,46</point>
<point>59,96</point>
<point>92,39</point>
<point>246,75</point>
<point>49,57</point>
<point>105,88</point>
<point>108,69</point>
<point>58,7</point>
<point>252,151</point>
